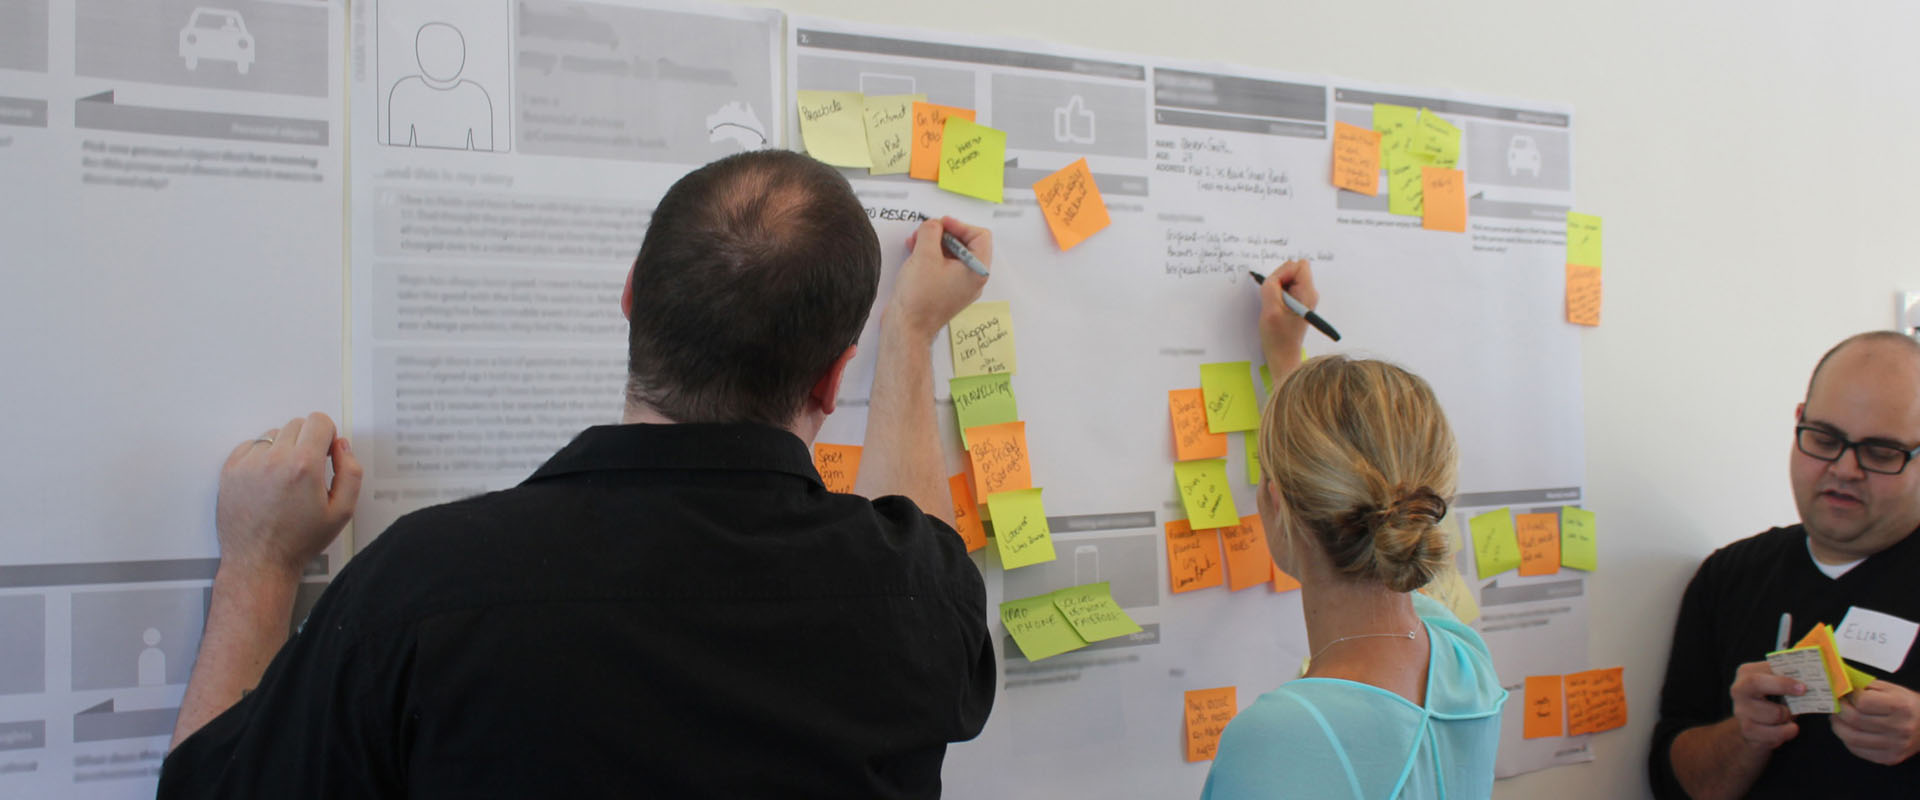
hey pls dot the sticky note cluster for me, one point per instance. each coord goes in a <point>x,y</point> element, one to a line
<point>1207,713</point>
<point>1574,704</point>
<point>1816,663</point>
<point>999,471</point>
<point>1583,269</point>
<point>1421,151</point>
<point>1065,620</point>
<point>1538,543</point>
<point>902,133</point>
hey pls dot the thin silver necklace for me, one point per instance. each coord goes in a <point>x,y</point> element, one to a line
<point>1409,635</point>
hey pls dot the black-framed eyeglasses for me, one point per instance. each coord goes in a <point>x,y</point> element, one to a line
<point>1873,455</point>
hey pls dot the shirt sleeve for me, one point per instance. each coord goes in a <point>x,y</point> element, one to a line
<point>1693,693</point>
<point>322,723</point>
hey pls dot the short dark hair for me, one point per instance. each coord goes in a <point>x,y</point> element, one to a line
<point>1895,338</point>
<point>757,271</point>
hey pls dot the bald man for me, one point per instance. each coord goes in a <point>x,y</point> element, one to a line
<point>1722,732</point>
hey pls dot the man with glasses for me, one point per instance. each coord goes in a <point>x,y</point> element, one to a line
<point>1722,731</point>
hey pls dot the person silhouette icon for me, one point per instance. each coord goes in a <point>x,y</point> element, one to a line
<point>153,661</point>
<point>437,108</point>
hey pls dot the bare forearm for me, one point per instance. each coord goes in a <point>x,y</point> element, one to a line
<point>246,625</point>
<point>1713,761</point>
<point>902,454</point>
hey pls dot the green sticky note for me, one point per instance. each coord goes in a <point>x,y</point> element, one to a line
<point>1227,388</point>
<point>1583,239</point>
<point>1395,126</point>
<point>832,127</point>
<point>1436,140</point>
<point>1091,611</point>
<point>983,400</point>
<point>1266,375</point>
<point>1253,456</point>
<point>1208,496</point>
<point>889,123</point>
<point>1496,546</point>
<point>973,159</point>
<point>1037,625</point>
<point>1020,528</point>
<point>1406,194</point>
<point>1577,547</point>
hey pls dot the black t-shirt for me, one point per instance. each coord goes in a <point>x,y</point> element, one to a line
<point>660,611</point>
<point>1731,615</point>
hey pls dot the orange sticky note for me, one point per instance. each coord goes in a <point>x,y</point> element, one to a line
<point>1190,437</point>
<point>1445,191</point>
<point>1208,712</point>
<point>1542,713</point>
<point>1072,204</point>
<point>1539,543</point>
<point>1356,159</point>
<point>839,465</point>
<point>1583,295</point>
<point>1248,562</point>
<point>1822,637</point>
<point>966,513</point>
<point>1596,701</point>
<point>929,123</point>
<point>1193,557</point>
<point>1282,582</point>
<point>999,458</point>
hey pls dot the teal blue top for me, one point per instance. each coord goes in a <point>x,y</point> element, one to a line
<point>1329,738</point>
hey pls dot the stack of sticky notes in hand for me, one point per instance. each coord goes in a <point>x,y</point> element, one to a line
<point>1815,662</point>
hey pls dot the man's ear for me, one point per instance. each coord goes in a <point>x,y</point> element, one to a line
<point>626,298</point>
<point>826,391</point>
<point>1799,411</point>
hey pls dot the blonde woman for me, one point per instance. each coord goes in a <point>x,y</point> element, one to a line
<point>1400,699</point>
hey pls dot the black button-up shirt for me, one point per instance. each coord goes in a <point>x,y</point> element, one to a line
<point>660,611</point>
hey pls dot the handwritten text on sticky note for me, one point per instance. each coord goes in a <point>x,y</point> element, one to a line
<point>1496,548</point>
<point>929,125</point>
<point>838,464</point>
<point>1206,493</point>
<point>1356,159</point>
<point>1191,440</point>
<point>982,339</point>
<point>1249,563</point>
<point>982,400</point>
<point>1578,548</point>
<point>832,128</point>
<point>966,513</point>
<point>1583,239</point>
<point>1596,701</point>
<point>1583,295</point>
<point>1037,625</point>
<point>1193,557</point>
<point>1072,204</point>
<point>973,160</point>
<point>1091,611</point>
<point>889,123</point>
<point>1539,536</point>
<point>1231,402</point>
<point>1444,200</point>
<point>1544,704</point>
<point>1020,526</point>
<point>1208,712</point>
<point>1000,462</point>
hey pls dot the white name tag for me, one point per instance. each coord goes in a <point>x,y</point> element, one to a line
<point>1871,637</point>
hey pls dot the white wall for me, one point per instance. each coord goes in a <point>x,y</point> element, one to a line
<point>1751,160</point>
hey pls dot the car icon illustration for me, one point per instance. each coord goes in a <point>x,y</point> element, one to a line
<point>1522,153</point>
<point>216,34</point>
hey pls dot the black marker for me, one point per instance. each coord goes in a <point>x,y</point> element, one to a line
<point>1301,309</point>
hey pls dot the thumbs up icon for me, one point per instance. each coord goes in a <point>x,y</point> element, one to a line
<point>1068,121</point>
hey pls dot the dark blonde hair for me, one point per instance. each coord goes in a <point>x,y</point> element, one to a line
<point>1365,464</point>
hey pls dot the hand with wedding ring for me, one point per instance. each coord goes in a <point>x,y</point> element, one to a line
<point>278,509</point>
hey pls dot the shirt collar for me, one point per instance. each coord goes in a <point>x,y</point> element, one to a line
<point>682,446</point>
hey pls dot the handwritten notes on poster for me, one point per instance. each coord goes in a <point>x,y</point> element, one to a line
<point>1000,462</point>
<point>1092,612</point>
<point>1037,625</point>
<point>1356,159</point>
<point>1578,548</point>
<point>1583,295</point>
<point>1544,712</point>
<point>1444,203</point>
<point>1596,701</point>
<point>1539,537</point>
<point>1208,712</point>
<point>1249,563</point>
<point>832,128</point>
<point>966,513</point>
<point>1072,204</point>
<point>1496,548</point>
<point>982,339</point>
<point>929,127</point>
<point>1583,239</point>
<point>889,130</point>
<point>973,159</point>
<point>982,400</point>
<point>1231,402</point>
<point>838,464</point>
<point>1191,439</point>
<point>1193,557</point>
<point>1206,492</point>
<point>1020,526</point>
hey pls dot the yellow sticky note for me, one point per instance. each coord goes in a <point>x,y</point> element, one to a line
<point>1405,184</point>
<point>966,513</point>
<point>1356,159</point>
<point>973,159</point>
<point>1193,557</point>
<point>1583,239</point>
<point>1596,701</point>
<point>1249,563</point>
<point>982,339</point>
<point>1072,204</point>
<point>1208,712</point>
<point>1000,462</point>
<point>1395,126</point>
<point>1578,548</point>
<point>832,128</point>
<point>1253,457</point>
<point>1020,526</point>
<point>1094,615</point>
<point>1496,548</point>
<point>1037,625</point>
<point>1443,199</point>
<point>1539,536</point>
<point>1207,494</point>
<point>1857,678</point>
<point>1583,295</point>
<point>1451,589</point>
<point>889,123</point>
<point>1191,439</point>
<point>838,464</point>
<point>1544,703</point>
<point>1436,140</point>
<point>1231,402</point>
<point>929,126</point>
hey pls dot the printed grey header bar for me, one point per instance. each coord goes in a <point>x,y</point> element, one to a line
<point>1482,207</point>
<point>24,112</point>
<point>100,112</point>
<point>1523,497</point>
<point>1125,521</point>
<point>102,724</point>
<point>1551,118</point>
<point>1219,122</point>
<point>1107,183</point>
<point>1496,595</point>
<point>830,40</point>
<point>1236,95</point>
<point>17,576</point>
<point>23,735</point>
